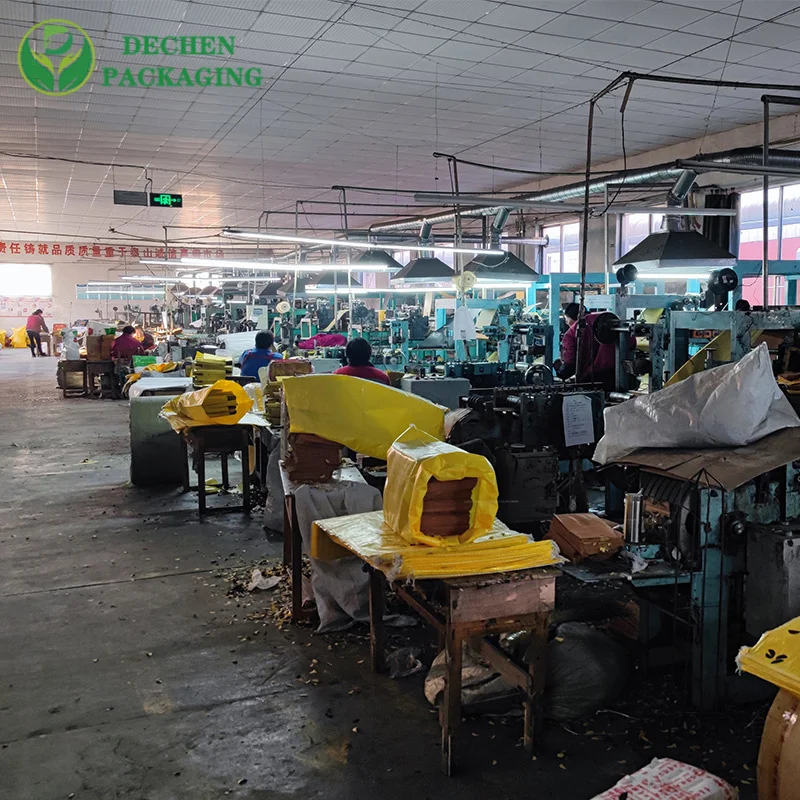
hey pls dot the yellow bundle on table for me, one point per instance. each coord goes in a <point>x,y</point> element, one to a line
<point>415,460</point>
<point>362,415</point>
<point>223,403</point>
<point>370,538</point>
<point>272,377</point>
<point>208,369</point>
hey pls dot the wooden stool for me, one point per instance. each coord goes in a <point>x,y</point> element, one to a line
<point>224,440</point>
<point>472,609</point>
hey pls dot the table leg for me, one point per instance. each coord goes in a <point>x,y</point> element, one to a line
<point>287,533</point>
<point>185,473</point>
<point>450,709</point>
<point>377,627</point>
<point>224,465</point>
<point>246,471</point>
<point>537,662</point>
<point>200,458</point>
<point>297,563</point>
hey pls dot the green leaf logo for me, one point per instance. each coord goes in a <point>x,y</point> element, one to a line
<point>38,54</point>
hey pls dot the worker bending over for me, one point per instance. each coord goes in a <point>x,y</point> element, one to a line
<point>260,356</point>
<point>127,345</point>
<point>598,361</point>
<point>359,352</point>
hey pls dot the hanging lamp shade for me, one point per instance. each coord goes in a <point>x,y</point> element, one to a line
<point>333,280</point>
<point>424,269</point>
<point>506,267</point>
<point>378,256</point>
<point>682,249</point>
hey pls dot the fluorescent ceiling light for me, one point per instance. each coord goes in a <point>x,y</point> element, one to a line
<point>272,267</point>
<point>280,237</point>
<point>500,285</point>
<point>158,262</point>
<point>393,290</point>
<point>665,275</point>
<point>674,211</point>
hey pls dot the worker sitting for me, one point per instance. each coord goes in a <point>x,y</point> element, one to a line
<point>127,345</point>
<point>598,361</point>
<point>358,353</point>
<point>260,356</point>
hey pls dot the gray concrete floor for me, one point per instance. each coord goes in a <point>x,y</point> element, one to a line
<point>126,671</point>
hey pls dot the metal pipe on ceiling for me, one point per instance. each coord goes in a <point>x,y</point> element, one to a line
<point>670,171</point>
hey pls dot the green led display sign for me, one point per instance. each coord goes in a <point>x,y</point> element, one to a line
<point>166,200</point>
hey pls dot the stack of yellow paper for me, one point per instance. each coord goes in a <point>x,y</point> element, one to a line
<point>209,369</point>
<point>368,537</point>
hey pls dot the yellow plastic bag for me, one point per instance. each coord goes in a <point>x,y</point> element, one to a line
<point>19,337</point>
<point>363,415</point>
<point>414,458</point>
<point>775,657</point>
<point>368,537</point>
<point>222,403</point>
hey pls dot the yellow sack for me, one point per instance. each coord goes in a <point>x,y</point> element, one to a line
<point>362,415</point>
<point>416,457</point>
<point>19,337</point>
<point>222,403</point>
<point>775,657</point>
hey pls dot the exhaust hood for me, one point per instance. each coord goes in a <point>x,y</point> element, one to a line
<point>425,269</point>
<point>501,268</point>
<point>333,280</point>
<point>681,249</point>
<point>381,257</point>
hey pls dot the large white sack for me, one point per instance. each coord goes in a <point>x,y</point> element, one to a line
<point>727,406</point>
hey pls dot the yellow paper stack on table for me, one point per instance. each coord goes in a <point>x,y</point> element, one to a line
<point>208,369</point>
<point>223,403</point>
<point>272,402</point>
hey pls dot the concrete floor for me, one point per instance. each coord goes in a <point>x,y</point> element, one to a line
<point>126,671</point>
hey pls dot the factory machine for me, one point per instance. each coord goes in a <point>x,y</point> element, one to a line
<point>711,550</point>
<point>528,433</point>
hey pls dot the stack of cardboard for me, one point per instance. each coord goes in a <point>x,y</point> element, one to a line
<point>208,369</point>
<point>446,507</point>
<point>311,459</point>
<point>98,348</point>
<point>581,536</point>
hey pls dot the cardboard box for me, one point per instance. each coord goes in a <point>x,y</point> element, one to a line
<point>580,536</point>
<point>779,754</point>
<point>98,348</point>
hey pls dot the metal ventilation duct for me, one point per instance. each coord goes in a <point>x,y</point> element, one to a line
<point>671,249</point>
<point>424,269</point>
<point>670,171</point>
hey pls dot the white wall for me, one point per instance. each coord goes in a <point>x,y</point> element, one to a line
<point>66,307</point>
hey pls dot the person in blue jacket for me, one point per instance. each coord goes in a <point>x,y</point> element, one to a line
<point>260,356</point>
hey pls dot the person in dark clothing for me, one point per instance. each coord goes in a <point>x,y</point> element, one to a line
<point>34,327</point>
<point>359,352</point>
<point>259,356</point>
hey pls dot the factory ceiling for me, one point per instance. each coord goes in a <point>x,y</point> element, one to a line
<point>355,93</point>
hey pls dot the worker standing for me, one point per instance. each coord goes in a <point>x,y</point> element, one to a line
<point>34,327</point>
<point>359,352</point>
<point>260,356</point>
<point>598,361</point>
<point>127,345</point>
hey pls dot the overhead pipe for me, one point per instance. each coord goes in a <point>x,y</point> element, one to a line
<point>669,171</point>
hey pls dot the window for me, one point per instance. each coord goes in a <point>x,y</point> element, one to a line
<point>112,292</point>
<point>562,253</point>
<point>781,245</point>
<point>25,280</point>
<point>634,228</point>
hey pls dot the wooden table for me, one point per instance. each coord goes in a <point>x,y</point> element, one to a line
<point>224,440</point>
<point>105,373</point>
<point>467,610</point>
<point>292,538</point>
